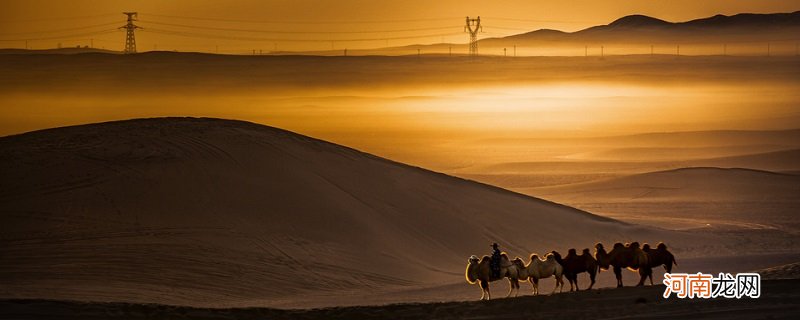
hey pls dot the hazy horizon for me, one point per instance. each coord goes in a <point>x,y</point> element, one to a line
<point>266,26</point>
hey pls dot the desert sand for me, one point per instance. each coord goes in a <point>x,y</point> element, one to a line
<point>779,301</point>
<point>220,213</point>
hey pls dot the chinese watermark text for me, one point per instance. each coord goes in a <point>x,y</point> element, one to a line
<point>705,286</point>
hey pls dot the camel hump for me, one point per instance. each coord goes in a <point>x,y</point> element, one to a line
<point>618,245</point>
<point>634,244</point>
<point>571,251</point>
<point>485,259</point>
<point>586,251</point>
<point>504,255</point>
<point>646,247</point>
<point>549,257</point>
<point>661,246</point>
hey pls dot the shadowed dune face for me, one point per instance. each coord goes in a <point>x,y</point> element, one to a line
<point>215,212</point>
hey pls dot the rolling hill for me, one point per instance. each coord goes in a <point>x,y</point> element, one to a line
<point>209,212</point>
<point>690,197</point>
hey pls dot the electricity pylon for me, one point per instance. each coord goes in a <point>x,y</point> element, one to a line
<point>130,39</point>
<point>473,26</point>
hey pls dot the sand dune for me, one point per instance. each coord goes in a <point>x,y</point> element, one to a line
<point>526,177</point>
<point>697,183</point>
<point>690,197</point>
<point>211,212</point>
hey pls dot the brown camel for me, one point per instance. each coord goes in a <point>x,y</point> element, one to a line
<point>574,264</point>
<point>479,270</point>
<point>624,256</point>
<point>539,269</point>
<point>658,257</point>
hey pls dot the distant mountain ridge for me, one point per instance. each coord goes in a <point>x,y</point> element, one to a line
<point>633,27</point>
<point>638,21</point>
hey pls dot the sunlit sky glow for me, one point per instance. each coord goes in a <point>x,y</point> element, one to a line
<point>242,26</point>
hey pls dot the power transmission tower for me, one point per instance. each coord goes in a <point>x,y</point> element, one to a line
<point>473,26</point>
<point>130,39</point>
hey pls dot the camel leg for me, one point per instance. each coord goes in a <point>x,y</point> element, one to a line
<point>485,290</point>
<point>535,286</point>
<point>644,272</point>
<point>514,287</point>
<point>556,287</point>
<point>592,276</point>
<point>573,280</point>
<point>618,274</point>
<point>533,290</point>
<point>560,283</point>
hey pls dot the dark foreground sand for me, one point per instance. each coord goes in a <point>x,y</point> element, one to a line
<point>780,299</point>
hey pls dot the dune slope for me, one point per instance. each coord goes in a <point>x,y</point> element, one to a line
<point>690,197</point>
<point>209,212</point>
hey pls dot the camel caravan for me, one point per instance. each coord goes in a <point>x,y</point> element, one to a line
<point>497,267</point>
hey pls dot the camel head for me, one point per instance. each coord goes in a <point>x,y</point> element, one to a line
<point>556,255</point>
<point>601,256</point>
<point>471,272</point>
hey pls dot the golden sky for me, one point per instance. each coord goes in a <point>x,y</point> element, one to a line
<point>242,26</point>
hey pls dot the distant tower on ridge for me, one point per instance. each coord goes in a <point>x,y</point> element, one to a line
<point>130,39</point>
<point>473,26</point>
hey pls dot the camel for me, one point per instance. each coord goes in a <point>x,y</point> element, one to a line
<point>479,271</point>
<point>624,256</point>
<point>658,257</point>
<point>574,264</point>
<point>539,269</point>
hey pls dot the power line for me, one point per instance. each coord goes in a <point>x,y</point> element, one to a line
<point>65,37</point>
<point>62,30</point>
<point>62,18</point>
<point>301,22</point>
<point>240,38</point>
<point>509,29</point>
<point>295,32</point>
<point>546,21</point>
